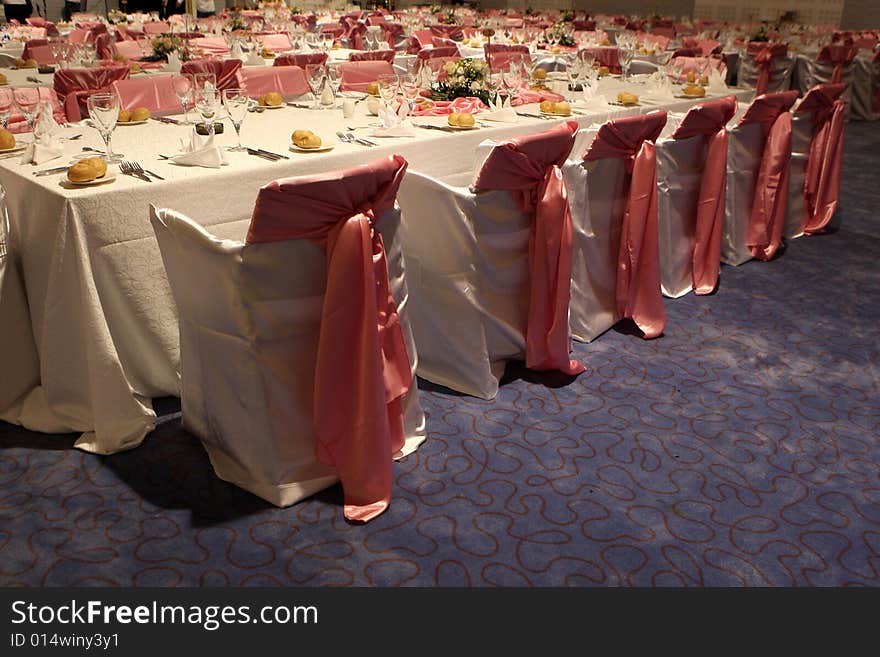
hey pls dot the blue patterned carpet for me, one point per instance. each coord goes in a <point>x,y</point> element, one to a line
<point>740,449</point>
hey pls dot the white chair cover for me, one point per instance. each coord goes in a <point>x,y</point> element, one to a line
<point>597,197</point>
<point>744,152</point>
<point>249,323</point>
<point>18,352</point>
<point>780,73</point>
<point>866,77</point>
<point>468,271</point>
<point>680,165</point>
<point>801,138</point>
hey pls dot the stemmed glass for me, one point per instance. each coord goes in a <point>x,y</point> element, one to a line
<point>410,86</point>
<point>104,111</point>
<point>625,57</point>
<point>315,75</point>
<point>236,103</point>
<point>513,77</point>
<point>27,99</point>
<point>6,104</point>
<point>183,88</point>
<point>206,104</point>
<point>205,80</point>
<point>334,77</point>
<point>388,83</point>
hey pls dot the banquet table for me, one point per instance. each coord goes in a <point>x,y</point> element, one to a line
<point>103,321</point>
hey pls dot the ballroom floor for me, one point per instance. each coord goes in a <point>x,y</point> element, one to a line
<point>742,448</point>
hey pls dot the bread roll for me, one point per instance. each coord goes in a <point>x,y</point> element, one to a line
<point>452,119</point>
<point>306,139</point>
<point>3,79</point>
<point>99,166</point>
<point>140,114</point>
<point>82,171</point>
<point>124,116</point>
<point>694,90</point>
<point>30,63</point>
<point>603,71</point>
<point>563,108</point>
<point>372,88</point>
<point>7,139</point>
<point>273,99</point>
<point>539,74</point>
<point>466,120</point>
<point>625,98</point>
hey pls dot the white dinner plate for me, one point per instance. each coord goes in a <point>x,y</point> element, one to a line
<point>97,181</point>
<point>272,106</point>
<point>690,96</point>
<point>321,149</point>
<point>554,115</point>
<point>131,122</point>
<point>461,127</point>
<point>14,149</point>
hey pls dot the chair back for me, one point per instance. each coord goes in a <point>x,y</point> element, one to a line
<point>289,81</point>
<point>301,59</point>
<point>224,70</point>
<point>74,85</point>
<point>357,75</point>
<point>155,92</point>
<point>372,56</point>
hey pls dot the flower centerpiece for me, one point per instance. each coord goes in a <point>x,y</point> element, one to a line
<point>236,22</point>
<point>163,44</point>
<point>449,18</point>
<point>114,16</point>
<point>560,34</point>
<point>436,9</point>
<point>464,78</point>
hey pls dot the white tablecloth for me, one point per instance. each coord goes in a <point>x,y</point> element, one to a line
<point>103,319</point>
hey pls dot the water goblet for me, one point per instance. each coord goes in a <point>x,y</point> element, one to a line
<point>104,112</point>
<point>183,89</point>
<point>410,86</point>
<point>236,103</point>
<point>27,99</point>
<point>206,101</point>
<point>6,106</point>
<point>204,80</point>
<point>315,75</point>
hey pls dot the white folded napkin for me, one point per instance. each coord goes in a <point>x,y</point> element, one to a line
<point>254,59</point>
<point>658,88</point>
<point>394,122</point>
<point>716,83</point>
<point>593,102</point>
<point>500,111</point>
<point>42,149</point>
<point>198,151</point>
<point>236,52</point>
<point>173,64</point>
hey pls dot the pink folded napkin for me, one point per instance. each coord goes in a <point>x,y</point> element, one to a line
<point>442,107</point>
<point>526,96</point>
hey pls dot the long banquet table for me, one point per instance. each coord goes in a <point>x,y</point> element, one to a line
<point>103,321</point>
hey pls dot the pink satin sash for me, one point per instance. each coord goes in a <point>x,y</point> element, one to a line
<point>709,119</point>
<point>638,291</point>
<point>357,75</point>
<point>362,367</point>
<point>838,56</point>
<point>499,55</point>
<point>763,54</point>
<point>525,96</point>
<point>75,84</point>
<point>224,70</point>
<point>822,179</point>
<point>301,59</point>
<point>289,81</point>
<point>372,56</point>
<point>446,52</point>
<point>529,167</point>
<point>767,218</point>
<point>156,93</point>
<point>443,107</point>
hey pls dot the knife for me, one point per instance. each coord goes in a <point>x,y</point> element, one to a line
<point>251,151</point>
<point>31,78</point>
<point>365,142</point>
<point>49,172</point>
<point>428,126</point>
<point>271,154</point>
<point>165,119</point>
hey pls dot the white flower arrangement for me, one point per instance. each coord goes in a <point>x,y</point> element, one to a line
<point>464,77</point>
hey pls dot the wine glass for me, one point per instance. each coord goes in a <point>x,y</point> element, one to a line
<point>334,76</point>
<point>204,80</point>
<point>206,105</point>
<point>388,83</point>
<point>236,103</point>
<point>6,105</point>
<point>315,75</point>
<point>513,77</point>
<point>183,88</point>
<point>27,99</point>
<point>410,86</point>
<point>625,57</point>
<point>104,111</point>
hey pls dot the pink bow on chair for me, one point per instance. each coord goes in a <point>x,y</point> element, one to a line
<point>767,218</point>
<point>638,273</point>
<point>709,119</point>
<point>362,367</point>
<point>529,167</point>
<point>763,54</point>
<point>822,179</point>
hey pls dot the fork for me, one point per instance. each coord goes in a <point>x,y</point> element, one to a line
<point>137,168</point>
<point>126,168</point>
